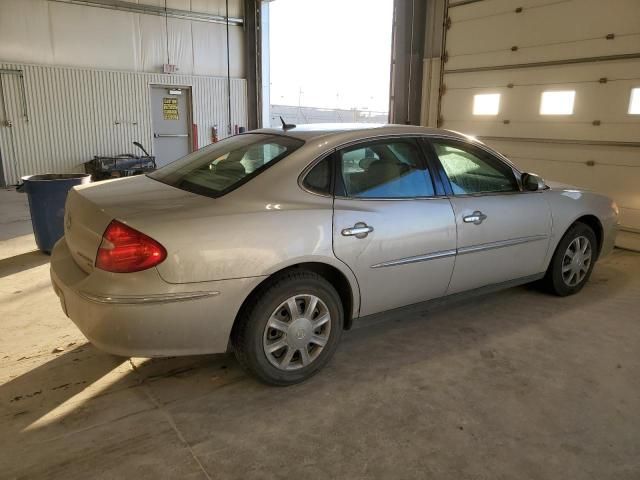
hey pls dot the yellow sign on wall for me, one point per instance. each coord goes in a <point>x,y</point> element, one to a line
<point>170,108</point>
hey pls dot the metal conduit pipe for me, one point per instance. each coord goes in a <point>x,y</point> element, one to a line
<point>155,10</point>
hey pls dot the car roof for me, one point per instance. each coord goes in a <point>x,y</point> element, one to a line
<point>315,130</point>
<point>341,133</point>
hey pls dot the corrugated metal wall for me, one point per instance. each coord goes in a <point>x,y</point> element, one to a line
<point>64,115</point>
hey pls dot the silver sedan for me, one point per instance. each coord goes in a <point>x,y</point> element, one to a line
<point>273,242</point>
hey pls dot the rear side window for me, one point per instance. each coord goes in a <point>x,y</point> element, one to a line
<point>318,180</point>
<point>219,168</point>
<point>385,169</point>
<point>470,170</point>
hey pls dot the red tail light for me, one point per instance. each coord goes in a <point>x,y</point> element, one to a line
<point>125,250</point>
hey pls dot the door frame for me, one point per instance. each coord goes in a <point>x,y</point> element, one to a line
<point>430,159</point>
<point>189,97</point>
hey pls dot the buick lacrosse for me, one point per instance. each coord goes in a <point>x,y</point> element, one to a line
<point>272,242</point>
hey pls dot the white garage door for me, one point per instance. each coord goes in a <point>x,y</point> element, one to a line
<point>501,58</point>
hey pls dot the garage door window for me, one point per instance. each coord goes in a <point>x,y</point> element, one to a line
<point>486,104</point>
<point>472,171</point>
<point>557,103</point>
<point>634,102</point>
<point>389,169</point>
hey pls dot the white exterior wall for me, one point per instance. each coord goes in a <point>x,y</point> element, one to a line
<point>598,146</point>
<point>73,114</point>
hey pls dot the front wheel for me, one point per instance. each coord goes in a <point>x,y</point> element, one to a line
<point>290,330</point>
<point>573,261</point>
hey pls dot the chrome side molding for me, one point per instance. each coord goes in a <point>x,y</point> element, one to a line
<point>418,258</point>
<point>501,244</point>
<point>146,299</point>
<point>461,251</point>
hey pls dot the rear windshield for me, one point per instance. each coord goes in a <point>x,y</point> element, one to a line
<point>219,168</point>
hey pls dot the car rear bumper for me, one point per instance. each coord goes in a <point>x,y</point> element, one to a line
<point>152,318</point>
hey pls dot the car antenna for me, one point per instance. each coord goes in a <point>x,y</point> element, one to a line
<point>285,125</point>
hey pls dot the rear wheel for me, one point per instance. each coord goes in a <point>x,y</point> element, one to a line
<point>573,261</point>
<point>290,330</point>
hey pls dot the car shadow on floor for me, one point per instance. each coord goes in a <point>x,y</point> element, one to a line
<point>20,263</point>
<point>78,377</point>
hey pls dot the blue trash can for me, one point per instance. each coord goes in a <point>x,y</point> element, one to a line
<point>47,195</point>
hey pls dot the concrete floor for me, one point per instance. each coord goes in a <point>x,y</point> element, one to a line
<point>516,384</point>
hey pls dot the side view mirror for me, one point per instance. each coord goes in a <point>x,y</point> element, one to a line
<point>532,182</point>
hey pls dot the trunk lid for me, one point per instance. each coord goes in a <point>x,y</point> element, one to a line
<point>90,208</point>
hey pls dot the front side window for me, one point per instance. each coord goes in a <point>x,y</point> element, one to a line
<point>471,170</point>
<point>385,169</point>
<point>218,168</point>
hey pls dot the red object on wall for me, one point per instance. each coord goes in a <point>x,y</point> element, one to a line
<point>194,136</point>
<point>214,134</point>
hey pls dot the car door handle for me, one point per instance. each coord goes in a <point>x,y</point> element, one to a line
<point>476,218</point>
<point>359,230</point>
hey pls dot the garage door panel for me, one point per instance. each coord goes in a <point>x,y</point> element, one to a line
<point>600,114</point>
<point>614,171</point>
<point>581,72</point>
<point>570,173</point>
<point>616,182</point>
<point>583,49</point>
<point>570,153</point>
<point>630,223</point>
<point>487,8</point>
<point>620,183</point>
<point>541,32</point>
<point>552,130</point>
<point>603,103</point>
<point>597,146</point>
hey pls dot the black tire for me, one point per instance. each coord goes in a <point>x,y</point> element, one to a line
<point>247,336</point>
<point>553,280</point>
